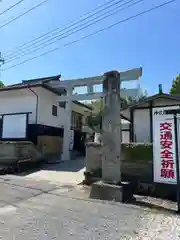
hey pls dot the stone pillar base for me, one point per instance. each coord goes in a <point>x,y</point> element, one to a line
<point>111,192</point>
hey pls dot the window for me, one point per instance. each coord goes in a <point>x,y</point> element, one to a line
<point>62,104</point>
<point>54,110</point>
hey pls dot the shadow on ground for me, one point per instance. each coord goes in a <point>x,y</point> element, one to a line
<point>67,166</point>
<point>72,166</point>
<point>157,204</point>
<point>27,171</point>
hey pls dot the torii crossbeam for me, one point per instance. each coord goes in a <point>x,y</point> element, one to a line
<point>69,85</point>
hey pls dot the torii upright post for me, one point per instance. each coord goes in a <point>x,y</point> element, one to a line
<point>67,126</point>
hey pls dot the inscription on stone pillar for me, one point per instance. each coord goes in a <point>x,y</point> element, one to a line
<point>111,128</point>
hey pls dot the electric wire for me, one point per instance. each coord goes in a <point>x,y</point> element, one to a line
<point>24,13</point>
<point>94,33</point>
<point>12,6</point>
<point>59,29</point>
<point>83,26</point>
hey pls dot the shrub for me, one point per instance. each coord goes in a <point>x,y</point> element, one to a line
<point>138,151</point>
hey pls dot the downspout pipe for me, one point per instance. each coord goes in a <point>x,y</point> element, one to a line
<point>37,102</point>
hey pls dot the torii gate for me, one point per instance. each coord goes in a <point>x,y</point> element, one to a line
<point>69,86</point>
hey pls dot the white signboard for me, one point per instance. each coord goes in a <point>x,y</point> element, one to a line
<point>71,145</point>
<point>158,111</point>
<point>164,152</point>
<point>14,126</point>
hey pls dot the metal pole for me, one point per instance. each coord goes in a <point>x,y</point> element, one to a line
<point>177,162</point>
<point>101,103</point>
<point>1,63</point>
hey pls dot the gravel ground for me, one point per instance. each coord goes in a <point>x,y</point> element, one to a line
<point>34,210</point>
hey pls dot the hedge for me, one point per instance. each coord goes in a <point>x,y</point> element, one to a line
<point>133,152</point>
<point>138,151</point>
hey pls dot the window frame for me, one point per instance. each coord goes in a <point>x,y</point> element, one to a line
<point>54,110</point>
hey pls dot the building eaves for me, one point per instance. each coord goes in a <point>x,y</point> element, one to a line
<point>40,83</point>
<point>154,97</point>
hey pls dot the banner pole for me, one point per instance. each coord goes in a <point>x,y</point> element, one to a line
<point>177,162</point>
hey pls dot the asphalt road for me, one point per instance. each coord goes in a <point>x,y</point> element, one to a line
<point>33,210</point>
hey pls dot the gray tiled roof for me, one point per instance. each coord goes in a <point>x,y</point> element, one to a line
<point>40,82</point>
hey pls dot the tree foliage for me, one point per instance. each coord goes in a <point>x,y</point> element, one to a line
<point>1,84</point>
<point>175,89</point>
<point>133,100</point>
<point>94,120</point>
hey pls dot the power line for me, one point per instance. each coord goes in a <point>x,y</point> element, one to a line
<point>96,32</point>
<point>70,32</point>
<point>12,6</point>
<point>70,24</point>
<point>119,22</point>
<point>24,13</point>
<point>30,59</point>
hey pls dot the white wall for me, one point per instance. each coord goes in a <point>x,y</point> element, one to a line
<point>125,136</point>
<point>142,119</point>
<point>142,125</point>
<point>15,101</point>
<point>23,100</point>
<point>125,124</point>
<point>46,100</point>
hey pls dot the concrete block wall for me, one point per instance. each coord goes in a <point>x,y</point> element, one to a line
<point>7,153</point>
<point>25,150</point>
<point>141,168</point>
<point>11,152</point>
<point>139,172</point>
<point>93,156</point>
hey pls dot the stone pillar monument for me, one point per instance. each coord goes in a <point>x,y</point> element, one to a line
<point>111,187</point>
<point>111,128</point>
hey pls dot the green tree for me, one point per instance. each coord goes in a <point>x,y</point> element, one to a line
<point>133,100</point>
<point>1,84</point>
<point>175,89</point>
<point>95,119</point>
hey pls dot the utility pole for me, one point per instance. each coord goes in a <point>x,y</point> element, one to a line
<point>2,61</point>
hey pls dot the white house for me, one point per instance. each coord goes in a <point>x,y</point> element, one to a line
<point>141,116</point>
<point>45,114</point>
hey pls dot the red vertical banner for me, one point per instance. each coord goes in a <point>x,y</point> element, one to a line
<point>164,150</point>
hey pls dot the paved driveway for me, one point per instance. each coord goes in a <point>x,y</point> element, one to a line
<point>48,204</point>
<point>31,210</point>
<point>68,172</point>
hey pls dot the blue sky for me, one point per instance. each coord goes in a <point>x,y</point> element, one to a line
<point>151,41</point>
